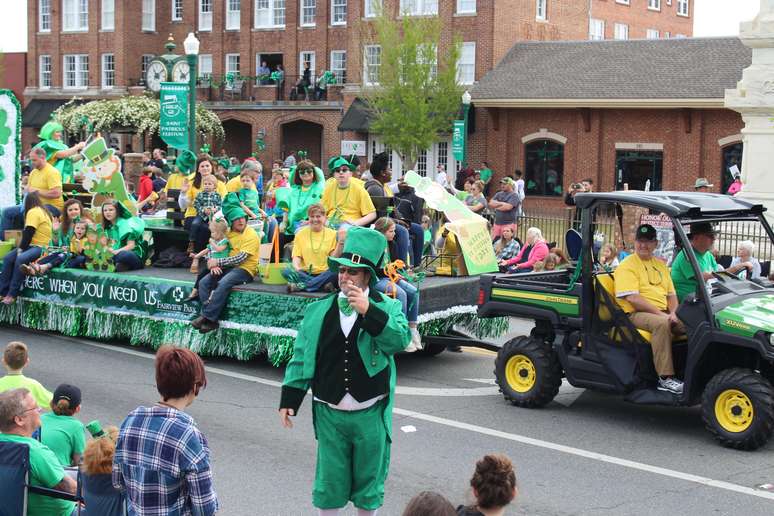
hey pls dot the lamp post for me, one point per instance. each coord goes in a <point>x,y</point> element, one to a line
<point>465,108</point>
<point>191,46</point>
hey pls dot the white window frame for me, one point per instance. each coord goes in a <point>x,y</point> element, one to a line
<point>274,10</point>
<point>108,18</point>
<point>76,11</point>
<point>418,7</point>
<point>177,10</point>
<point>148,16</point>
<point>596,29</point>
<point>339,72</point>
<point>108,73</point>
<point>338,4</point>
<point>621,31</point>
<point>233,16</point>
<point>80,71</point>
<point>145,60</point>
<point>44,15</point>
<point>371,67</point>
<point>683,8</point>
<point>45,76</point>
<point>466,75</point>
<point>624,2</point>
<point>302,58</point>
<point>371,8</point>
<point>205,17</point>
<point>203,71</point>
<point>227,69</point>
<point>308,13</point>
<point>438,153</point>
<point>652,34</point>
<point>466,6</point>
<point>541,10</point>
<point>654,5</point>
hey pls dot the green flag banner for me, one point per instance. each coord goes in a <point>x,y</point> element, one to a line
<point>173,119</point>
<point>469,228</point>
<point>458,140</point>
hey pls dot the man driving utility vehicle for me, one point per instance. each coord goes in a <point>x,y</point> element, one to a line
<point>645,291</point>
<point>702,237</point>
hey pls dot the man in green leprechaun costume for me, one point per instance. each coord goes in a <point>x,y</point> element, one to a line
<point>349,366</point>
<point>57,152</point>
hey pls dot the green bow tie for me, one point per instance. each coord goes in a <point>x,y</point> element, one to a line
<point>344,306</point>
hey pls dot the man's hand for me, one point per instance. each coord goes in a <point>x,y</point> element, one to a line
<point>673,318</point>
<point>357,300</point>
<point>285,414</point>
<point>707,276</point>
<point>212,263</point>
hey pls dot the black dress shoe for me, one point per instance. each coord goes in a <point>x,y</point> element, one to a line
<point>208,326</point>
<point>197,323</point>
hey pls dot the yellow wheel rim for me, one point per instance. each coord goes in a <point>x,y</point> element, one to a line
<point>520,373</point>
<point>734,411</point>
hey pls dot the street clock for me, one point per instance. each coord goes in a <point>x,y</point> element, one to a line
<point>155,75</point>
<point>181,71</point>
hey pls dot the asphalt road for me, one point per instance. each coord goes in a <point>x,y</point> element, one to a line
<point>586,453</point>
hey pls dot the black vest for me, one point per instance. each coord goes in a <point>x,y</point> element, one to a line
<point>339,369</point>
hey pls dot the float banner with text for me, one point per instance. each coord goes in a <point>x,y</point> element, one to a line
<point>113,292</point>
<point>173,118</point>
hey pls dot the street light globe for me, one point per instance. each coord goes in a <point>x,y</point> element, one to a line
<point>465,97</point>
<point>191,45</point>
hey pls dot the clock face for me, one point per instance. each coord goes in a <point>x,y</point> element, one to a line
<point>155,75</point>
<point>181,72</point>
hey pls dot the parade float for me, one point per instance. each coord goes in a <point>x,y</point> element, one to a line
<point>150,307</point>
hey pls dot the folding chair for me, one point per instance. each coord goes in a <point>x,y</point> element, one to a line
<point>14,481</point>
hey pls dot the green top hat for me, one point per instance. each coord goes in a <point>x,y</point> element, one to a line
<point>363,249</point>
<point>97,151</point>
<point>185,161</point>
<point>48,130</point>
<point>339,161</point>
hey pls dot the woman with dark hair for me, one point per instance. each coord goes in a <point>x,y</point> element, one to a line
<point>161,449</point>
<point>494,487</point>
<point>306,187</point>
<point>125,233</point>
<point>198,231</point>
<point>38,229</point>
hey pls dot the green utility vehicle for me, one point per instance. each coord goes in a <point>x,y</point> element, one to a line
<point>582,333</point>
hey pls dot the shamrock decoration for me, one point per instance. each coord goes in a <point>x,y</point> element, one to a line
<point>205,149</point>
<point>302,154</point>
<point>5,131</point>
<point>96,248</point>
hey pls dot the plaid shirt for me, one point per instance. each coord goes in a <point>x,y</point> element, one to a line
<point>207,200</point>
<point>162,461</point>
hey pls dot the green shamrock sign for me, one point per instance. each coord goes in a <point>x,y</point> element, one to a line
<point>5,135</point>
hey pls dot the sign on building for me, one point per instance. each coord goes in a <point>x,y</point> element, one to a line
<point>353,148</point>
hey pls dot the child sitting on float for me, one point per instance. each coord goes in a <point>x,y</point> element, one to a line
<point>218,247</point>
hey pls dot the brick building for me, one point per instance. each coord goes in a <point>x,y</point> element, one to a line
<point>624,113</point>
<point>100,49</point>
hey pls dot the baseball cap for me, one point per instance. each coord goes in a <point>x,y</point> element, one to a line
<point>645,232</point>
<point>702,182</point>
<point>68,392</point>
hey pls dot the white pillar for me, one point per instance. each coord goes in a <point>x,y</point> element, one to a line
<point>753,98</point>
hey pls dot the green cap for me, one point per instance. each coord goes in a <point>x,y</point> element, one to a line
<point>97,151</point>
<point>48,130</point>
<point>363,249</point>
<point>339,161</point>
<point>231,208</point>
<point>186,161</point>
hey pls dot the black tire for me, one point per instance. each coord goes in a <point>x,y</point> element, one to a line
<point>742,421</point>
<point>432,349</point>
<point>533,369</point>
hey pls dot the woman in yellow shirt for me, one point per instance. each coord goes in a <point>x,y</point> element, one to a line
<point>35,237</point>
<point>198,230</point>
<point>312,246</point>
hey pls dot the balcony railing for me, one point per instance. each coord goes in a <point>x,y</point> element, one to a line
<point>250,89</point>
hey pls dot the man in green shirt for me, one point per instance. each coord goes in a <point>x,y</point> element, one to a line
<point>485,174</point>
<point>19,418</point>
<point>702,237</point>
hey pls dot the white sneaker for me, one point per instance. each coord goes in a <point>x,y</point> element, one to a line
<point>416,338</point>
<point>411,347</point>
<point>670,385</point>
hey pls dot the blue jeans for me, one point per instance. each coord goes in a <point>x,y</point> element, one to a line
<point>313,283</point>
<point>417,234</point>
<point>12,277</point>
<point>13,217</point>
<point>220,286</point>
<point>406,293</point>
<point>54,259</point>
<point>409,243</point>
<point>268,229</point>
<point>76,262</point>
<point>129,260</point>
<point>198,232</point>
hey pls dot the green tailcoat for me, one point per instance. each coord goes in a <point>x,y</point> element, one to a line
<point>376,351</point>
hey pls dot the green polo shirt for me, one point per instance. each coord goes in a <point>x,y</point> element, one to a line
<point>45,471</point>
<point>682,272</point>
<point>485,174</point>
<point>64,435</point>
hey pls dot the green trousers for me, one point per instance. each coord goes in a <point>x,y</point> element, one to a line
<point>353,457</point>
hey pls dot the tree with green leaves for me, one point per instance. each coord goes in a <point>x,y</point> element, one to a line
<point>413,95</point>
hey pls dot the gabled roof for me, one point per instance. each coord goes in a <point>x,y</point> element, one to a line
<point>687,71</point>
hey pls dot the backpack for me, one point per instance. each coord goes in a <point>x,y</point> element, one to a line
<point>172,257</point>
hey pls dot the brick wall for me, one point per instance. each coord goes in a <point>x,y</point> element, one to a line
<point>690,140</point>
